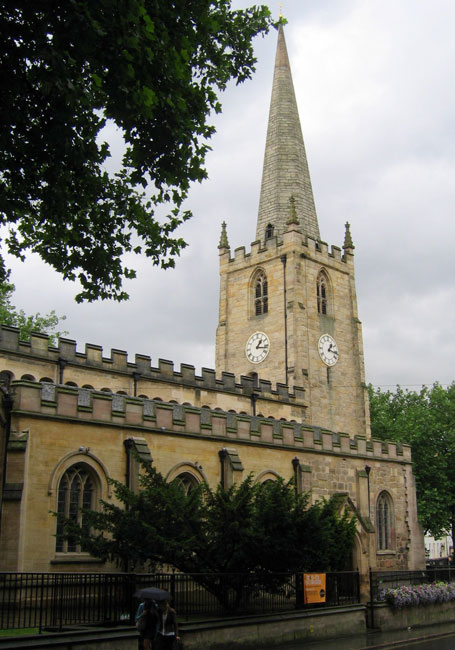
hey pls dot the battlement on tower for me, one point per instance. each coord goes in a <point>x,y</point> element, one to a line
<point>293,240</point>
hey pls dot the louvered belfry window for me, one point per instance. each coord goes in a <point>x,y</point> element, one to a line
<point>261,305</point>
<point>269,231</point>
<point>322,293</point>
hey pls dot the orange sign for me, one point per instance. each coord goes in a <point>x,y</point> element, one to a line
<point>314,586</point>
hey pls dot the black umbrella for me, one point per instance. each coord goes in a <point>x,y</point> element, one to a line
<point>153,593</point>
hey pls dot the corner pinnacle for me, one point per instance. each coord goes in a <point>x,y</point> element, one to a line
<point>347,238</point>
<point>223,239</point>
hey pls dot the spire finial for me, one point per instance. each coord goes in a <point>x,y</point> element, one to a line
<point>293,219</point>
<point>223,239</point>
<point>347,238</point>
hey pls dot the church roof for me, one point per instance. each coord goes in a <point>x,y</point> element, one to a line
<point>285,172</point>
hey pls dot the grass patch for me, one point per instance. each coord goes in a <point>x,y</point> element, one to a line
<point>22,632</point>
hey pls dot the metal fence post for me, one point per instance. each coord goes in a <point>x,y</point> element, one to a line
<point>371,600</point>
<point>60,608</point>
<point>172,589</point>
<point>41,603</point>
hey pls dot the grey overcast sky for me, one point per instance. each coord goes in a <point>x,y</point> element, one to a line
<point>374,81</point>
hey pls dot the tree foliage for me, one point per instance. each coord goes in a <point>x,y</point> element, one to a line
<point>266,529</point>
<point>151,69</point>
<point>426,421</point>
<point>10,315</point>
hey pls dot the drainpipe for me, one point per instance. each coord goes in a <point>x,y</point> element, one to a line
<point>368,470</point>
<point>136,376</point>
<point>296,465</point>
<point>128,443</point>
<point>253,402</point>
<point>223,455</point>
<point>62,363</point>
<point>8,403</point>
<point>283,261</point>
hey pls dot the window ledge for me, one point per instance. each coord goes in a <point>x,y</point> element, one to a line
<point>386,552</point>
<point>75,559</point>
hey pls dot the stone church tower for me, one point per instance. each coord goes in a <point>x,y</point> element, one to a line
<point>288,308</point>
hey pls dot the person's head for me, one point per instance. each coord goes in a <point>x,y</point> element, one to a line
<point>164,605</point>
<point>147,604</point>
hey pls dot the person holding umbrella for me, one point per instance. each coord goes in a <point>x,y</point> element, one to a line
<point>164,634</point>
<point>147,623</point>
<point>167,636</point>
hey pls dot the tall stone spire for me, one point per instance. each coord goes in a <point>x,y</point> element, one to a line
<point>285,172</point>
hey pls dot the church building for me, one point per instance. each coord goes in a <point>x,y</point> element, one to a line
<point>288,397</point>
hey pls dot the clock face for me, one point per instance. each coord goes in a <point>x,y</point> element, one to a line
<point>257,347</point>
<point>328,350</point>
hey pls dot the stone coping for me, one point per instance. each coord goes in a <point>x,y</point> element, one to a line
<point>88,406</point>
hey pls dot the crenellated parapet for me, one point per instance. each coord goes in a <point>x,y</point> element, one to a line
<point>155,416</point>
<point>66,360</point>
<point>261,250</point>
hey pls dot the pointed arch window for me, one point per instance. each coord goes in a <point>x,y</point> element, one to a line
<point>261,301</point>
<point>269,231</point>
<point>187,482</point>
<point>6,377</point>
<point>77,490</point>
<point>322,293</point>
<point>384,522</point>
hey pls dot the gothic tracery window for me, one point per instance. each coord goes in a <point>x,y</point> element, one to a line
<point>322,293</point>
<point>384,522</point>
<point>261,305</point>
<point>187,481</point>
<point>76,491</point>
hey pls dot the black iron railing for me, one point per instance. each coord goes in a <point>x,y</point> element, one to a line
<point>52,600</point>
<point>57,600</point>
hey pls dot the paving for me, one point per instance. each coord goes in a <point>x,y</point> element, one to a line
<point>377,640</point>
